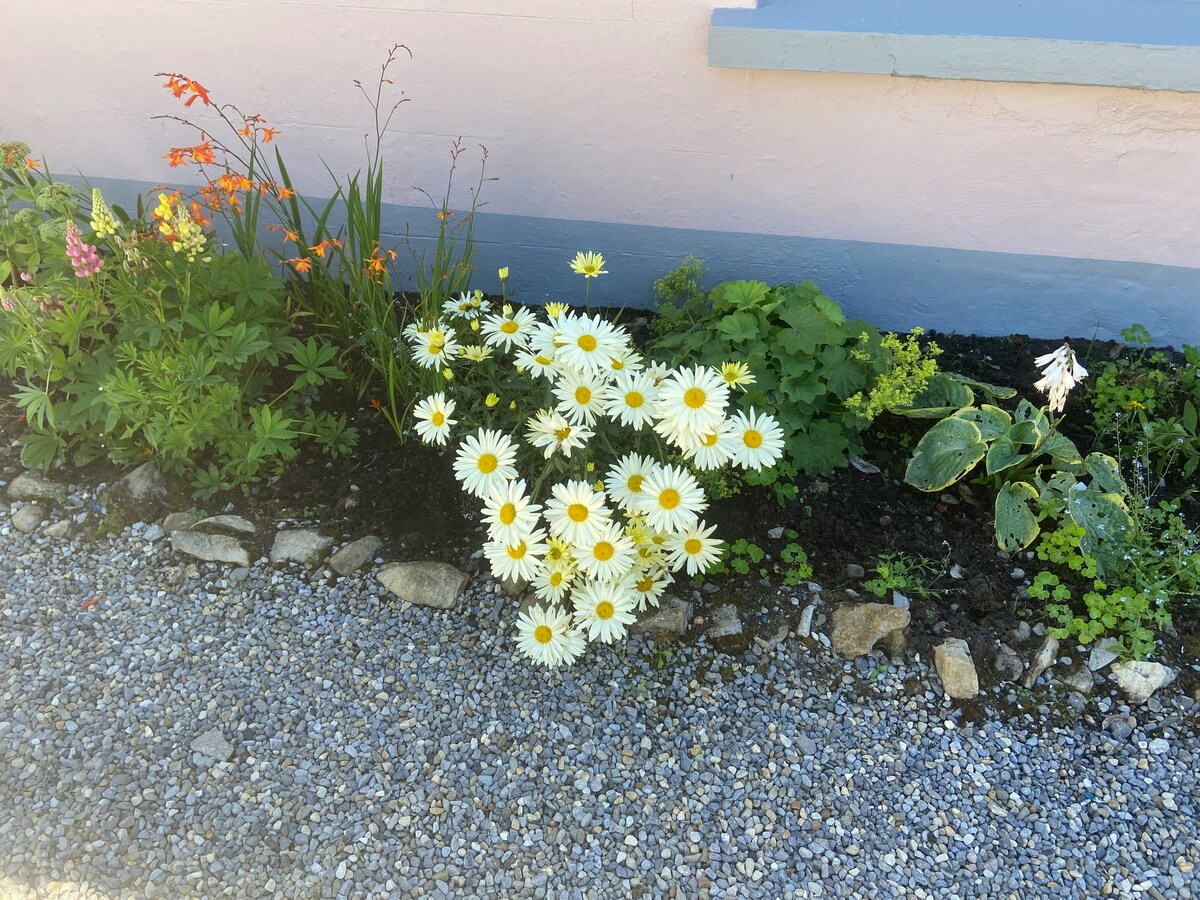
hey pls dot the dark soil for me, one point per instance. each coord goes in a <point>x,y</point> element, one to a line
<point>408,497</point>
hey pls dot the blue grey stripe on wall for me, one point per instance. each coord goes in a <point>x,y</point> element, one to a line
<point>1152,44</point>
<point>894,286</point>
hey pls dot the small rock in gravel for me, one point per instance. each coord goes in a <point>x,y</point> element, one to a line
<point>213,745</point>
<point>210,547</point>
<point>773,640</point>
<point>1021,633</point>
<point>1159,746</point>
<point>1043,660</point>
<point>672,616</point>
<point>775,533</point>
<point>858,627</point>
<point>354,555</point>
<point>32,486</point>
<point>1078,680</point>
<point>1008,666</point>
<point>900,601</point>
<point>1120,727</point>
<point>27,519</point>
<point>895,644</point>
<point>434,584</point>
<point>306,546</point>
<point>804,627</point>
<point>1077,702</point>
<point>59,530</point>
<point>225,524</point>
<point>145,488</point>
<point>725,631</point>
<point>153,533</point>
<point>1138,680</point>
<point>952,659</point>
<point>854,570</point>
<point>178,521</point>
<point>1105,652</point>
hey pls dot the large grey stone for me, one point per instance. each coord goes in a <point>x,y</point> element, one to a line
<point>144,487</point>
<point>32,486</point>
<point>1138,680</point>
<point>27,519</point>
<point>434,584</point>
<point>213,745</point>
<point>1043,660</point>
<point>306,546</point>
<point>60,530</point>
<point>354,555</point>
<point>1104,652</point>
<point>857,627</point>
<point>672,616</point>
<point>210,547</point>
<point>952,659</point>
<point>226,524</point>
<point>178,521</point>
<point>725,631</point>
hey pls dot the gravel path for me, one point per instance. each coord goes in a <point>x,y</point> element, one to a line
<point>378,750</point>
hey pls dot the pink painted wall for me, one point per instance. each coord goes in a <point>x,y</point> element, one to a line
<point>606,110</point>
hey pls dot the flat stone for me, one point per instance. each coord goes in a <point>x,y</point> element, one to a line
<point>213,745</point>
<point>725,631</point>
<point>28,518</point>
<point>804,626</point>
<point>59,530</point>
<point>952,659</point>
<point>178,521</point>
<point>1043,660</point>
<point>1078,680</point>
<point>1138,680</point>
<point>226,524</point>
<point>144,486</point>
<point>354,555</point>
<point>773,640</point>
<point>306,546</point>
<point>854,570</point>
<point>32,486</point>
<point>672,616</point>
<point>153,533</point>
<point>210,547</point>
<point>858,627</point>
<point>1103,653</point>
<point>1008,666</point>
<point>433,584</point>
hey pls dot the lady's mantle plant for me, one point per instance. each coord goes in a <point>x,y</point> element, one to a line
<point>564,436</point>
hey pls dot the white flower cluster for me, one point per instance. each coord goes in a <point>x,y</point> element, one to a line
<point>1061,372</point>
<point>595,549</point>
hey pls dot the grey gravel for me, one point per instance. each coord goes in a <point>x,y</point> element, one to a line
<point>379,749</point>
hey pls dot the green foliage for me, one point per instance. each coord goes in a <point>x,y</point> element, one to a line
<point>911,576</point>
<point>680,288</point>
<point>34,212</point>
<point>823,376</point>
<point>165,358</point>
<point>743,557</point>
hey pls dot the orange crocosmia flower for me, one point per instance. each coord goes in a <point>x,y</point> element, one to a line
<point>291,236</point>
<point>202,153</point>
<point>376,405</point>
<point>268,134</point>
<point>176,156</point>
<point>282,193</point>
<point>198,91</point>
<point>445,214</point>
<point>31,163</point>
<point>248,131</point>
<point>300,263</point>
<point>198,215</point>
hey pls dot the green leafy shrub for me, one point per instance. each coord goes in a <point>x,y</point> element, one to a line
<point>911,576</point>
<point>826,376</point>
<point>165,349</point>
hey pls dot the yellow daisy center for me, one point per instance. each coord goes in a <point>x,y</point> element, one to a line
<point>509,327</point>
<point>587,343</point>
<point>710,439</point>
<point>562,434</point>
<point>542,634</point>
<point>604,610</point>
<point>583,396</point>
<point>694,397</point>
<point>577,512</point>
<point>603,551</point>
<point>645,584</point>
<point>753,439</point>
<point>556,579</point>
<point>618,364</point>
<point>541,360</point>
<point>691,546</point>
<point>487,463</point>
<point>437,418</point>
<point>634,399</point>
<point>435,349</point>
<point>508,513</point>
<point>668,499</point>
<point>635,483</point>
<point>517,551</point>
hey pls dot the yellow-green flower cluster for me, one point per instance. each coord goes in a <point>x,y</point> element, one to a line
<point>911,369</point>
<point>103,222</point>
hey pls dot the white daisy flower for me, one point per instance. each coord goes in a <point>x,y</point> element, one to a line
<point>510,513</point>
<point>550,431</point>
<point>545,635</point>
<point>624,480</point>
<point>756,439</point>
<point>671,499</point>
<point>628,361</point>
<point>648,586</point>
<point>434,349</point>
<point>712,449</point>
<point>485,462</point>
<point>581,396</point>
<point>587,343</point>
<point>433,418</point>
<point>604,609</point>
<point>508,328</point>
<point>657,372</point>
<point>575,512</point>
<point>632,400</point>
<point>538,363</point>
<point>553,584</point>
<point>520,560</point>
<point>608,555</point>
<point>465,306</point>
<point>1061,371</point>
<point>475,352</point>
<point>694,549</point>
<point>559,555</point>
<point>737,374</point>
<point>694,399</point>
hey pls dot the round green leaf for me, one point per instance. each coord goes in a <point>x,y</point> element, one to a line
<point>947,452</point>
<point>1016,524</point>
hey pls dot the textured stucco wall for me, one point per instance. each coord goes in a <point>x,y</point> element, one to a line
<point>606,111</point>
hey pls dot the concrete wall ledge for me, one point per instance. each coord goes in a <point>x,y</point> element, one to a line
<point>1149,44</point>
